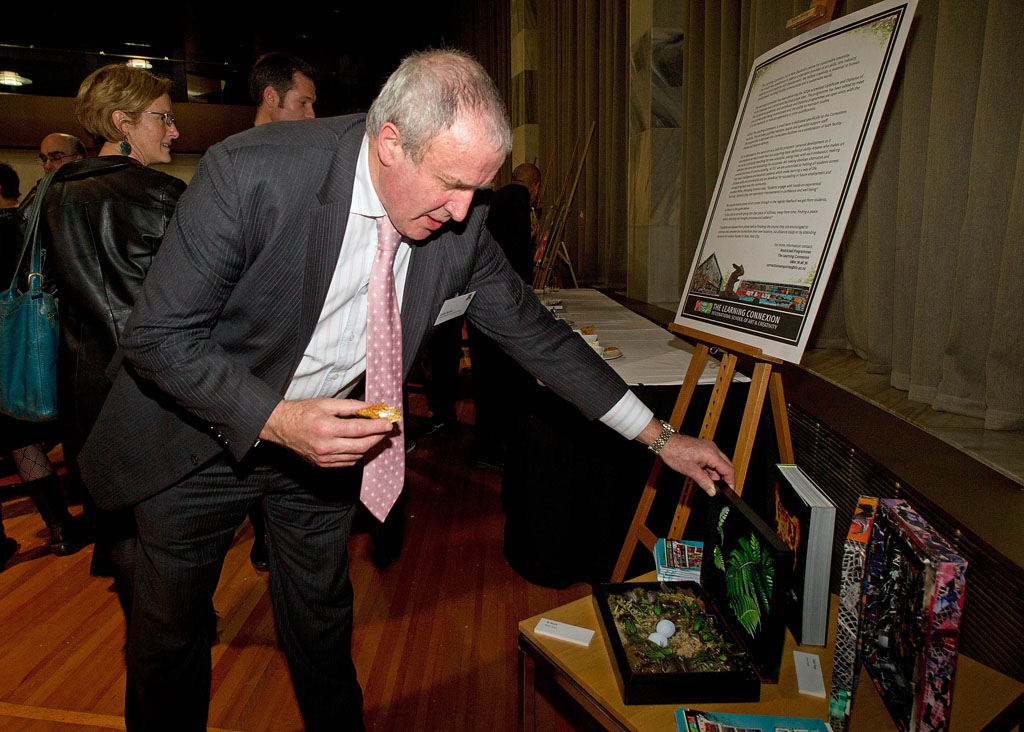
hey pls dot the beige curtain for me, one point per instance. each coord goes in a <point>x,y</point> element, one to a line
<point>931,273</point>
<point>582,79</point>
<point>483,28</point>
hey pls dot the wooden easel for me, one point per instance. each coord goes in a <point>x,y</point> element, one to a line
<point>563,254</point>
<point>818,13</point>
<point>550,244</point>
<point>766,379</point>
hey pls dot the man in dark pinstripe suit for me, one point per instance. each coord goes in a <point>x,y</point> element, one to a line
<point>247,344</point>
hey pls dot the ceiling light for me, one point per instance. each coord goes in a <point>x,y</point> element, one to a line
<point>138,63</point>
<point>13,78</point>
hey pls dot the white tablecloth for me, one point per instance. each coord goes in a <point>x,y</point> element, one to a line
<point>651,355</point>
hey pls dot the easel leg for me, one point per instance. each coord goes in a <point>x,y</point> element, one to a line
<point>707,432</point>
<point>748,427</point>
<point>638,532</point>
<point>781,418</point>
<point>564,253</point>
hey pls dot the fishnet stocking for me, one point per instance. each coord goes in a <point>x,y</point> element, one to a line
<point>32,462</point>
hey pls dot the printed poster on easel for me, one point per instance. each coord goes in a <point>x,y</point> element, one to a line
<point>795,160</point>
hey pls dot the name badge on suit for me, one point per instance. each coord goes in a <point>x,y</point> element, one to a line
<point>454,307</point>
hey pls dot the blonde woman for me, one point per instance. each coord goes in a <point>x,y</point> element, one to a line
<point>103,220</point>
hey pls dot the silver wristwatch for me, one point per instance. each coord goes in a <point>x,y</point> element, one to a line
<point>667,431</point>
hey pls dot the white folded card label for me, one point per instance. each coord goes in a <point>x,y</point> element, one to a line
<point>808,674</point>
<point>564,631</point>
<point>453,307</point>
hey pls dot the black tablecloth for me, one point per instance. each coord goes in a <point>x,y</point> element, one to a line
<point>571,486</point>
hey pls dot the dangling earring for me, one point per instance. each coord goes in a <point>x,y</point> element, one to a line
<point>124,147</point>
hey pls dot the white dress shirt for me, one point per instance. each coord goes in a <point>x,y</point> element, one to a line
<point>335,359</point>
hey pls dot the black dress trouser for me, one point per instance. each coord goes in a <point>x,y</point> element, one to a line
<point>184,534</point>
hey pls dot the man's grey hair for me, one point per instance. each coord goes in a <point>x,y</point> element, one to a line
<point>429,91</point>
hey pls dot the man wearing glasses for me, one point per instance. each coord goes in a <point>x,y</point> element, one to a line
<point>58,148</point>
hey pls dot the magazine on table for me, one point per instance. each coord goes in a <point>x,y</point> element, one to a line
<point>677,560</point>
<point>694,720</point>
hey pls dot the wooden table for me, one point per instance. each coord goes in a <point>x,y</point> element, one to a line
<point>983,699</point>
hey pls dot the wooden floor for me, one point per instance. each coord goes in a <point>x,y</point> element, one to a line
<point>435,634</point>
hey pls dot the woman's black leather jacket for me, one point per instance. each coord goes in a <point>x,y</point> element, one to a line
<point>102,222</point>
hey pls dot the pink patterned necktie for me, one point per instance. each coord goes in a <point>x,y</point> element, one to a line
<point>384,472</point>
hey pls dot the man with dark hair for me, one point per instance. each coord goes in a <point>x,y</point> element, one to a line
<point>301,259</point>
<point>59,148</point>
<point>283,88</point>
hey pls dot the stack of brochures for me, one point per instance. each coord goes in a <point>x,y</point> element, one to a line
<point>678,561</point>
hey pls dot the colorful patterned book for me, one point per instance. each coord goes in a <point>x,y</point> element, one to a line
<point>913,601</point>
<point>846,660</point>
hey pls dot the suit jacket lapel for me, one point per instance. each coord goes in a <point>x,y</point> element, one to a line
<point>431,278</point>
<point>328,219</point>
<point>420,284</point>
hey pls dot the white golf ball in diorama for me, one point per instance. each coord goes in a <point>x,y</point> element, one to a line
<point>658,639</point>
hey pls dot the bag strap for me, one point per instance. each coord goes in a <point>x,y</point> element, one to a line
<point>31,238</point>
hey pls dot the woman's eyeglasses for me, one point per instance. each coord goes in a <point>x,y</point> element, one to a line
<point>167,117</point>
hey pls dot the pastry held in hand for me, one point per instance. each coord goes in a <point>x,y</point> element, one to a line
<point>381,411</point>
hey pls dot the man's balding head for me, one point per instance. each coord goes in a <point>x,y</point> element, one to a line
<point>528,175</point>
<point>430,91</point>
<point>59,148</point>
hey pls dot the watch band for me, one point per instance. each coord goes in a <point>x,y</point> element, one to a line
<point>667,431</point>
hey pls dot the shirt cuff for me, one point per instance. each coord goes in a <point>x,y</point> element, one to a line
<point>629,416</point>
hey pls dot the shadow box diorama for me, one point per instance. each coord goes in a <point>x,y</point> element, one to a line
<point>718,641</point>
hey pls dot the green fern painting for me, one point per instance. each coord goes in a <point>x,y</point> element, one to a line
<point>749,574</point>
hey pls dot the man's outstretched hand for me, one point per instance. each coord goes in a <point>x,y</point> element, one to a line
<point>698,459</point>
<point>324,431</point>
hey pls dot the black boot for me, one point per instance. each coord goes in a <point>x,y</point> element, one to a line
<point>66,539</point>
<point>66,536</point>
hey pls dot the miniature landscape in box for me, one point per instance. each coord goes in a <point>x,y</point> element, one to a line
<point>718,640</point>
<point>701,659</point>
<point>669,630</point>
